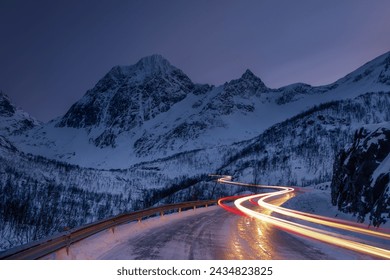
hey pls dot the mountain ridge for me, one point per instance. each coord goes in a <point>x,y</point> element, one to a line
<point>151,110</point>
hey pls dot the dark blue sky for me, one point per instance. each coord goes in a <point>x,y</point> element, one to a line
<point>51,52</point>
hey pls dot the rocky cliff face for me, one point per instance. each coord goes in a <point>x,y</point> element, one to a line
<point>361,179</point>
<point>13,121</point>
<point>6,108</point>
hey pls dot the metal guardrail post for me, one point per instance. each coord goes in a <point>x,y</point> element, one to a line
<point>68,243</point>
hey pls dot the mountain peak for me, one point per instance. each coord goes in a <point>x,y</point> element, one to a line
<point>146,67</point>
<point>128,96</point>
<point>154,58</point>
<point>248,74</point>
<point>248,80</point>
<point>154,63</point>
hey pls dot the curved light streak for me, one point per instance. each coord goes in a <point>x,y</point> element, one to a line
<point>229,208</point>
<point>307,231</point>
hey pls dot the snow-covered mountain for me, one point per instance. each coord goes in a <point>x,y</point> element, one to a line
<point>128,96</point>
<point>152,110</point>
<point>361,179</point>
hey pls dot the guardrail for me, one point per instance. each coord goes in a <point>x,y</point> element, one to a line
<point>43,247</point>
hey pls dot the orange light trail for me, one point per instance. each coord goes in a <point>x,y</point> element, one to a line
<point>307,231</point>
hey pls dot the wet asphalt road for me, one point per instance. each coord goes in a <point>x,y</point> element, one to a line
<point>219,235</point>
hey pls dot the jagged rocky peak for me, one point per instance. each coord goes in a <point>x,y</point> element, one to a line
<point>154,64</point>
<point>146,68</point>
<point>238,95</point>
<point>248,75</point>
<point>149,72</point>
<point>129,95</point>
<point>249,83</point>
<point>13,120</point>
<point>6,108</point>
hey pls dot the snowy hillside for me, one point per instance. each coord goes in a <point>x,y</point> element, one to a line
<point>301,150</point>
<point>41,196</point>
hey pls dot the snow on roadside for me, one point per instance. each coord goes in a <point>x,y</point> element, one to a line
<point>94,247</point>
<point>317,200</point>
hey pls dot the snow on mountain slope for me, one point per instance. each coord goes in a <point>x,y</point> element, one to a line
<point>301,150</point>
<point>152,110</point>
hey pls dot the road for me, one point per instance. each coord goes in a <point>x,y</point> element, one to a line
<point>242,227</point>
<point>218,234</point>
<point>215,234</point>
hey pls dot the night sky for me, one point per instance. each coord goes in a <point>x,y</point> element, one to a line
<point>51,52</point>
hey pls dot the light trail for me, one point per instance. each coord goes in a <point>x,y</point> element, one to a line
<point>336,223</point>
<point>303,230</point>
<point>327,221</point>
<point>229,208</point>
